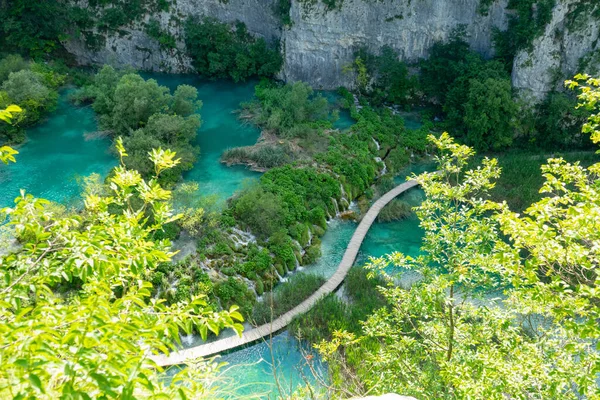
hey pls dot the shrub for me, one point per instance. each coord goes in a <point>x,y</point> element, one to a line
<point>218,51</point>
<point>285,297</point>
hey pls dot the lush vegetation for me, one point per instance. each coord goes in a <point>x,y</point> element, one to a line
<point>148,116</point>
<point>220,51</point>
<point>286,297</point>
<point>332,313</point>
<point>291,110</point>
<point>33,87</point>
<point>538,340</point>
<point>384,78</point>
<point>75,303</point>
<point>528,21</point>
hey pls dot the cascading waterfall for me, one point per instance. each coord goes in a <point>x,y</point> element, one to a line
<point>376,143</point>
<point>384,169</point>
<point>241,238</point>
<point>336,207</point>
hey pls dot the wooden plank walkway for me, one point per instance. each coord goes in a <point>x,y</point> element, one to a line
<point>253,335</point>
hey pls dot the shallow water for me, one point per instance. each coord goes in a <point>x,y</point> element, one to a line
<point>55,157</point>
<point>220,130</point>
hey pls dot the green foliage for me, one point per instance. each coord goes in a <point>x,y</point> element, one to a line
<point>490,114</point>
<point>34,28</point>
<point>173,131</point>
<point>181,281</point>
<point>436,341</point>
<point>34,92</point>
<point>287,110</point>
<point>282,10</point>
<point>87,343</point>
<point>261,157</point>
<point>285,297</point>
<point>260,210</point>
<point>528,21</point>
<point>521,179</point>
<point>558,123</point>
<point>234,291</point>
<point>218,51</point>
<point>384,78</point>
<point>395,210</point>
<point>476,95</point>
<point>147,116</point>
<point>11,63</point>
<point>7,154</point>
<point>164,38</point>
<point>331,313</point>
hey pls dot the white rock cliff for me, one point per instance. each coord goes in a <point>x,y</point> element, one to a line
<point>320,42</point>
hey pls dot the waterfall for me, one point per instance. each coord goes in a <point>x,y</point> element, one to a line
<point>346,205</point>
<point>356,102</point>
<point>241,238</point>
<point>376,143</point>
<point>309,237</point>
<point>384,170</point>
<point>280,278</point>
<point>188,340</point>
<point>336,207</point>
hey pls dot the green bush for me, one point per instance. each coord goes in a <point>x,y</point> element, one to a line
<point>218,51</point>
<point>234,291</point>
<point>287,110</point>
<point>331,313</point>
<point>27,89</point>
<point>395,210</point>
<point>11,63</point>
<point>285,297</point>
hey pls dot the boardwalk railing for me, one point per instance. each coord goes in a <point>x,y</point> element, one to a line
<point>253,335</point>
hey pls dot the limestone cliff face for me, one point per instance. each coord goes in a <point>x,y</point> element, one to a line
<point>133,47</point>
<point>319,42</point>
<point>559,53</point>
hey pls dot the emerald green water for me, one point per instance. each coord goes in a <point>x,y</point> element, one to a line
<point>55,156</point>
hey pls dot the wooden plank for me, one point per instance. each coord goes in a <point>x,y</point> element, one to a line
<point>255,334</point>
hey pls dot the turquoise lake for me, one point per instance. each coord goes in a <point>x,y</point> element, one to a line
<point>57,154</point>
<point>55,157</point>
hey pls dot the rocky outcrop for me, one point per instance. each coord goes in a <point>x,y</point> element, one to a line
<point>559,53</point>
<point>319,42</point>
<point>131,46</point>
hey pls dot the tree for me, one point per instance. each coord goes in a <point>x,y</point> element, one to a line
<point>173,131</point>
<point>135,101</point>
<point>147,116</point>
<point>33,28</point>
<point>490,114</point>
<point>287,110</point>
<point>220,51</point>
<point>27,89</point>
<point>185,100</point>
<point>441,339</point>
<point>78,319</point>
<point>11,63</point>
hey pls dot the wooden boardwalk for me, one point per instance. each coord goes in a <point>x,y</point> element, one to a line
<point>253,335</point>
